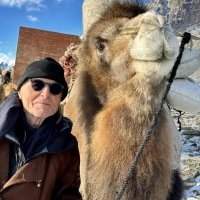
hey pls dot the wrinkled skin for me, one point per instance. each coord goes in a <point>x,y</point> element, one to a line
<point>123,63</point>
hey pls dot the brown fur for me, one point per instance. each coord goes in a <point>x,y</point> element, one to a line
<point>5,90</point>
<point>112,104</point>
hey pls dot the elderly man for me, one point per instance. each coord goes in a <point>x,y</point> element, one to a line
<point>39,158</point>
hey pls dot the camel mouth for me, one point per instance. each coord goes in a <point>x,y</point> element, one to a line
<point>154,40</point>
<point>161,56</point>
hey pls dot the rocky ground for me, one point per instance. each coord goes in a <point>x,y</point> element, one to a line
<point>190,166</point>
<point>190,156</point>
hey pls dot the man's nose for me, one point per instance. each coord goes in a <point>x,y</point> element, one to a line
<point>45,91</point>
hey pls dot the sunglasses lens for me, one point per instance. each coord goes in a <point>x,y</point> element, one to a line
<point>37,85</point>
<point>56,88</point>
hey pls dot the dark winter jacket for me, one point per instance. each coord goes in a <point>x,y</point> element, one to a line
<point>41,166</point>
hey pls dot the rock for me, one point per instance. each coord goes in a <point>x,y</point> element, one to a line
<point>190,164</point>
<point>191,132</point>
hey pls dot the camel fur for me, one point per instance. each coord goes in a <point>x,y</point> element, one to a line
<point>123,64</point>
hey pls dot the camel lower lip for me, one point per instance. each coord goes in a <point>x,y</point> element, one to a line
<point>150,60</point>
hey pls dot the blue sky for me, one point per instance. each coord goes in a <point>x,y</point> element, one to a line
<point>64,16</point>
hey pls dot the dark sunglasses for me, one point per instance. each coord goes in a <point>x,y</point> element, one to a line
<point>54,88</point>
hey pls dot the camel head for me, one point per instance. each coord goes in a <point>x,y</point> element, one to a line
<point>126,41</point>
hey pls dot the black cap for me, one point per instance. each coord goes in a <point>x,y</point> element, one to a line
<point>44,68</point>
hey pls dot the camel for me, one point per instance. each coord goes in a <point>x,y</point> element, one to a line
<point>124,61</point>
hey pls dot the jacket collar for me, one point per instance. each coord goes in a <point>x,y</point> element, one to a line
<point>10,110</point>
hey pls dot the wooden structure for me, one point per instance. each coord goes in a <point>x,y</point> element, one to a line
<point>34,44</point>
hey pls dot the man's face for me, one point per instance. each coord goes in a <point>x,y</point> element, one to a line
<point>39,103</point>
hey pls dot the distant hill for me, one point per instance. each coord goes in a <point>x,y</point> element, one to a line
<point>4,65</point>
<point>182,14</point>
<point>6,60</point>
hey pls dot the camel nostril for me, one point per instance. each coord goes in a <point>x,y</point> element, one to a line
<point>161,20</point>
<point>153,19</point>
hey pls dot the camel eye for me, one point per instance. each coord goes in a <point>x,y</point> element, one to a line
<point>100,44</point>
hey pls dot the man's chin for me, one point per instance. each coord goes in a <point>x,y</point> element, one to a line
<point>43,113</point>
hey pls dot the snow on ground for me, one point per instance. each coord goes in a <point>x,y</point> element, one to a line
<point>190,165</point>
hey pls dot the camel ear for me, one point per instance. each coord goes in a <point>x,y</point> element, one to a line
<point>189,64</point>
